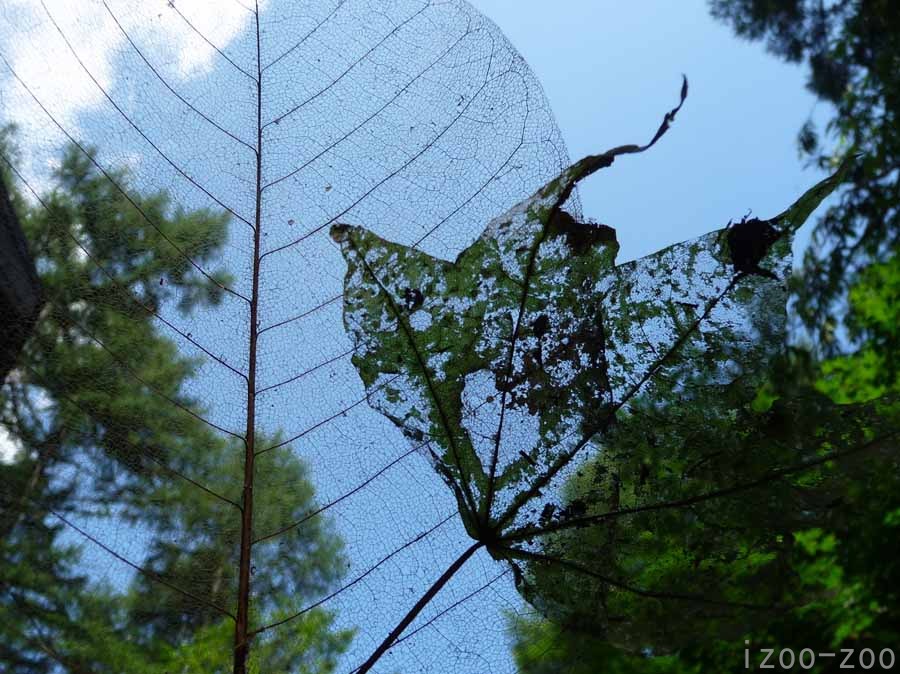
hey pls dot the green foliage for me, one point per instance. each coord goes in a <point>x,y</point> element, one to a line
<point>853,53</point>
<point>818,546</point>
<point>543,647</point>
<point>872,370</point>
<point>714,507</point>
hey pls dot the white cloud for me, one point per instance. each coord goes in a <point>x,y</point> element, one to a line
<point>219,22</point>
<point>34,50</point>
<point>33,44</point>
<point>11,448</point>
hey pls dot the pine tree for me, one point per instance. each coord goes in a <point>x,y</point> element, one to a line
<point>104,433</point>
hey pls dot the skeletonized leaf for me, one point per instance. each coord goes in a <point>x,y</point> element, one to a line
<point>509,361</point>
<point>274,119</point>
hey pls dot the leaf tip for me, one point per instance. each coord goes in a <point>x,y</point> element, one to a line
<point>340,233</point>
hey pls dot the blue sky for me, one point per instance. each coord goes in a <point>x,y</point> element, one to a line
<point>610,70</point>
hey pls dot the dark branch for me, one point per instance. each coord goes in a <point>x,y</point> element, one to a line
<point>526,533</point>
<point>424,600</point>
<point>652,594</point>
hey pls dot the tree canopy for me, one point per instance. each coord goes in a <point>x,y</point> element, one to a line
<point>632,444</point>
<point>814,553</point>
<point>104,432</point>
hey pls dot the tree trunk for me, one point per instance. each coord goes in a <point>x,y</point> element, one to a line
<point>21,297</point>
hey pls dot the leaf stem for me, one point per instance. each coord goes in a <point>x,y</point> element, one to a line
<point>424,600</point>
<point>242,623</point>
